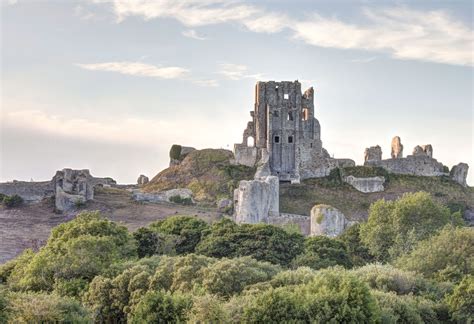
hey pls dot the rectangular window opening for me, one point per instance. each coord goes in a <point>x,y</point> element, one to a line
<point>305,114</point>
<point>275,113</point>
<point>277,139</point>
<point>286,96</point>
<point>290,139</point>
<point>290,115</point>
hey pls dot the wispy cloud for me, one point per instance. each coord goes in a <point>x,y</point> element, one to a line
<point>364,59</point>
<point>402,33</point>
<point>191,33</point>
<point>237,72</point>
<point>206,83</point>
<point>138,69</point>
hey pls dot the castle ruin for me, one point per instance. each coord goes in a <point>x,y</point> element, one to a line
<point>284,126</point>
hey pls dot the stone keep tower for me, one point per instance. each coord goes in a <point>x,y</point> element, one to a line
<point>284,126</point>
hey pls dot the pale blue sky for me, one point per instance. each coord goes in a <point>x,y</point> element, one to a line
<point>111,85</point>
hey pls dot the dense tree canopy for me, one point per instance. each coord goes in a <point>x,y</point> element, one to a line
<point>394,227</point>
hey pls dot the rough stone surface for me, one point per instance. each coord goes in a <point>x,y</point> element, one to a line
<point>420,165</point>
<point>459,173</point>
<point>327,220</point>
<point>256,200</point>
<point>163,196</point>
<point>397,148</point>
<point>302,221</point>
<point>418,151</point>
<point>72,187</point>
<point>428,149</point>
<point>373,153</point>
<point>283,124</point>
<point>185,150</point>
<point>366,185</point>
<point>224,204</point>
<point>142,180</point>
<point>31,192</point>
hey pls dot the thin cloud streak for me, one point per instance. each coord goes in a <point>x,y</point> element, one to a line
<point>138,69</point>
<point>403,33</point>
<point>191,33</point>
<point>237,72</point>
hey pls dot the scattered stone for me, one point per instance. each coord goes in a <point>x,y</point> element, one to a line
<point>397,148</point>
<point>459,173</point>
<point>327,220</point>
<point>224,204</point>
<point>366,185</point>
<point>163,196</point>
<point>142,180</point>
<point>373,153</point>
<point>256,200</point>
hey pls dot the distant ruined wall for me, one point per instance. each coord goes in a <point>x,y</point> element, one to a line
<point>302,221</point>
<point>29,191</point>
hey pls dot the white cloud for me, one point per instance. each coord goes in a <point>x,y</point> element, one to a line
<point>364,60</point>
<point>237,72</point>
<point>138,69</point>
<point>403,33</point>
<point>191,33</point>
<point>206,83</point>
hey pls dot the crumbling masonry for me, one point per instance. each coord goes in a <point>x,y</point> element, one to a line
<point>284,125</point>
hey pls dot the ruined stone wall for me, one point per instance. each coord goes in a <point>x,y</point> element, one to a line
<point>303,222</point>
<point>29,191</point>
<point>420,165</point>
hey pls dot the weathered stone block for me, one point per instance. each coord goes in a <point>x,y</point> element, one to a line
<point>366,185</point>
<point>397,148</point>
<point>327,220</point>
<point>142,180</point>
<point>373,153</point>
<point>459,173</point>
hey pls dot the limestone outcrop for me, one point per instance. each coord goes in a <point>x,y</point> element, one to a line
<point>142,180</point>
<point>373,153</point>
<point>164,196</point>
<point>366,185</point>
<point>256,200</point>
<point>459,173</point>
<point>397,148</point>
<point>73,188</point>
<point>327,220</point>
<point>178,153</point>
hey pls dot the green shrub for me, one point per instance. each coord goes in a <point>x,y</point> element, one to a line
<point>175,152</point>
<point>180,200</point>
<point>12,201</point>
<point>358,252</point>
<point>461,301</point>
<point>260,241</point>
<point>323,252</point>
<point>188,229</point>
<point>395,227</point>
<point>447,256</point>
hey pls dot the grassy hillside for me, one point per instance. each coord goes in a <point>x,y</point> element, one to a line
<point>208,173</point>
<point>299,199</point>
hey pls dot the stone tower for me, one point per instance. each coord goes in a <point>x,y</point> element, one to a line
<point>283,125</point>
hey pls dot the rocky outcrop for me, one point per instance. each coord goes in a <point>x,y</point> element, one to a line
<point>73,188</point>
<point>327,220</point>
<point>178,153</point>
<point>366,185</point>
<point>142,180</point>
<point>459,173</point>
<point>164,196</point>
<point>397,148</point>
<point>373,153</point>
<point>256,200</point>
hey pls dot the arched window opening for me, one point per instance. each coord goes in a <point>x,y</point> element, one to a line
<point>250,141</point>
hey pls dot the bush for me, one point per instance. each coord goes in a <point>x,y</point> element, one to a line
<point>322,252</point>
<point>161,307</point>
<point>182,201</point>
<point>260,241</point>
<point>149,242</point>
<point>175,152</point>
<point>395,227</point>
<point>358,252</point>
<point>332,296</point>
<point>230,276</point>
<point>12,201</point>
<point>45,308</point>
<point>461,301</point>
<point>189,230</point>
<point>447,256</point>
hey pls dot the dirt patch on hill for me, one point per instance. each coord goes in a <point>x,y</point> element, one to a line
<point>30,225</point>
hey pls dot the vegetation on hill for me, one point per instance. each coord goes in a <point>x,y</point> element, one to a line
<point>209,173</point>
<point>331,190</point>
<point>185,270</point>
